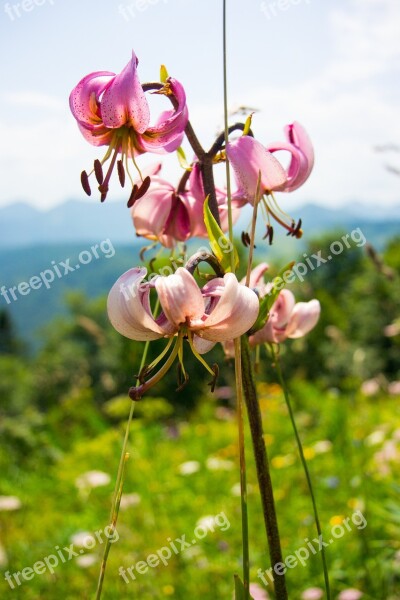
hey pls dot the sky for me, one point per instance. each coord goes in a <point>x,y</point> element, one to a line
<point>332,66</point>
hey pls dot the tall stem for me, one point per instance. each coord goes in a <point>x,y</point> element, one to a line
<point>238,359</point>
<point>263,472</point>
<point>278,369</point>
<point>118,487</point>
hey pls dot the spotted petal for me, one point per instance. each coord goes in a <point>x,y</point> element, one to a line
<point>124,101</point>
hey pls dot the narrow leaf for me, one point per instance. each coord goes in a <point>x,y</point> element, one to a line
<point>220,244</point>
<point>278,283</point>
<point>182,159</point>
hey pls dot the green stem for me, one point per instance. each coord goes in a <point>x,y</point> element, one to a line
<point>263,472</point>
<point>305,466</point>
<point>118,486</point>
<point>238,358</point>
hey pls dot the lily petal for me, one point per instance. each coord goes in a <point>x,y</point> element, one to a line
<point>248,157</point>
<point>180,297</point>
<point>282,308</point>
<point>167,134</point>
<point>85,97</point>
<point>126,311</point>
<point>150,213</point>
<point>235,313</point>
<point>304,317</point>
<point>124,101</point>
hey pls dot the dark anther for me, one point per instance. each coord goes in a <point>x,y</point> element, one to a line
<point>151,263</point>
<point>98,171</point>
<point>213,382</point>
<point>132,197</point>
<point>245,239</point>
<point>103,189</point>
<point>121,172</point>
<point>135,393</point>
<point>143,188</point>
<point>269,234</point>
<point>298,232</point>
<point>85,183</point>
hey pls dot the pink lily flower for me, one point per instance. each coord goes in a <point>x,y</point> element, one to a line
<point>169,216</point>
<point>112,110</point>
<point>287,319</point>
<point>302,155</point>
<point>223,309</point>
<point>249,158</point>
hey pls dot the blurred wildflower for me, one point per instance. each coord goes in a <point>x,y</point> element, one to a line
<point>189,467</point>
<point>9,503</point>
<point>86,560</point>
<point>128,500</point>
<point>92,479</point>
<point>312,594</point>
<point>213,463</point>
<point>350,594</point>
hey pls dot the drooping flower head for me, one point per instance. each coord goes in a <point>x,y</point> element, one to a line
<point>287,319</point>
<point>112,110</point>
<point>223,309</point>
<point>249,157</point>
<point>172,215</point>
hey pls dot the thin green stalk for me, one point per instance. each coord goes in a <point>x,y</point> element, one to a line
<point>263,471</point>
<point>278,369</point>
<point>238,358</point>
<point>118,485</point>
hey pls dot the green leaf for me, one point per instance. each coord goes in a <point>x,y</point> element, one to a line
<point>182,159</point>
<point>222,247</point>
<point>240,593</point>
<point>278,283</point>
<point>247,124</point>
<point>163,74</point>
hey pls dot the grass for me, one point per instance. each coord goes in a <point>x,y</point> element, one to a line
<point>353,448</point>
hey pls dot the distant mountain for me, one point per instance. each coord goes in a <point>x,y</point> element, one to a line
<point>32,241</point>
<point>70,222</point>
<point>76,221</point>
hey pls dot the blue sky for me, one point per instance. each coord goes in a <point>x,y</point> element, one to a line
<point>333,66</point>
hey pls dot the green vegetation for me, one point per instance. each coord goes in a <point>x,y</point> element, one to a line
<point>63,411</point>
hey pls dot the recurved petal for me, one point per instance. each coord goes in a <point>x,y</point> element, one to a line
<point>234,314</point>
<point>84,98</point>
<point>264,335</point>
<point>282,309</point>
<point>248,157</point>
<point>202,346</point>
<point>304,317</point>
<point>301,165</point>
<point>167,133</point>
<point>97,135</point>
<point>124,101</point>
<point>150,213</point>
<point>126,308</point>
<point>180,297</point>
<point>256,276</point>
